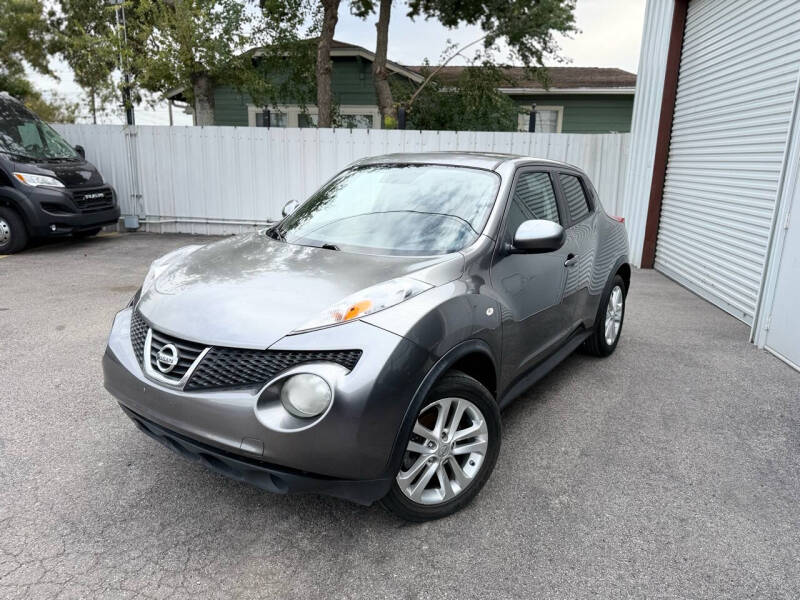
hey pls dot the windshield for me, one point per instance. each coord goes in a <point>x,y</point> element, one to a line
<point>395,209</point>
<point>23,135</point>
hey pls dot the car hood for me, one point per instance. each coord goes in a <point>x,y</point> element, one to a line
<point>250,291</point>
<point>74,173</point>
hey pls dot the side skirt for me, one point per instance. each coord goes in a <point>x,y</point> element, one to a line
<point>544,367</point>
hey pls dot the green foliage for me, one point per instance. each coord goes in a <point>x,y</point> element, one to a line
<point>527,26</point>
<point>175,42</point>
<point>24,36</point>
<point>54,109</point>
<point>470,102</point>
<point>87,40</point>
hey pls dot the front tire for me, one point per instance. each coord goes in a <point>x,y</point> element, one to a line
<point>608,324</point>
<point>13,235</point>
<point>451,452</point>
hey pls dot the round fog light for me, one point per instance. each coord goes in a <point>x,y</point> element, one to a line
<point>306,395</point>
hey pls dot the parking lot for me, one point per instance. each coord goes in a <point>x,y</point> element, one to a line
<point>670,470</point>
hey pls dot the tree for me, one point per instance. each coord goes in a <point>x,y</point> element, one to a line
<point>25,37</point>
<point>527,27</point>
<point>470,101</point>
<point>330,17</point>
<point>87,40</point>
<point>192,45</point>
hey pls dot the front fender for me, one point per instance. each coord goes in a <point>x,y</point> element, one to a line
<point>441,367</point>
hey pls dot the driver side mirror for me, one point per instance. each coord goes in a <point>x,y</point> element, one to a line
<point>538,235</point>
<point>290,207</point>
<point>79,149</point>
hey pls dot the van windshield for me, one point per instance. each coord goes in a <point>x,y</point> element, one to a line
<point>406,209</point>
<point>25,136</point>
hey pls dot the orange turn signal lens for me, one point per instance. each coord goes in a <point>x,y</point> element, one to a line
<point>356,309</point>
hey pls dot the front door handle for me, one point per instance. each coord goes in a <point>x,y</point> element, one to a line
<point>571,261</point>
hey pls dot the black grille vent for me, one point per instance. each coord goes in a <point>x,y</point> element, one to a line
<point>229,367</point>
<point>90,201</point>
<point>236,367</point>
<point>138,334</point>
<point>187,353</point>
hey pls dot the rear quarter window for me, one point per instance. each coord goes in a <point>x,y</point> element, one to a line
<point>577,202</point>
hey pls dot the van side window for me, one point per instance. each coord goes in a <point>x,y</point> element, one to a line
<point>577,204</point>
<point>533,198</point>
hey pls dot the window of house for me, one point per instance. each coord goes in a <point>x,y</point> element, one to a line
<point>547,119</point>
<point>574,194</point>
<point>307,120</point>
<point>356,121</point>
<point>272,118</point>
<point>533,198</point>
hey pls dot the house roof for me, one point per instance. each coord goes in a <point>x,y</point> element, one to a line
<point>561,79</point>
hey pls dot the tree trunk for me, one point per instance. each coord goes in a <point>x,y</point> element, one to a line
<point>330,17</point>
<point>203,90</point>
<point>379,72</point>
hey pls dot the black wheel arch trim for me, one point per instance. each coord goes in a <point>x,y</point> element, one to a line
<point>440,367</point>
<point>18,202</point>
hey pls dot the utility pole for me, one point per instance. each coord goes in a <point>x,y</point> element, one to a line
<point>119,12</point>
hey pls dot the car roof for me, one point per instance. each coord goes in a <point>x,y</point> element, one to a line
<point>481,160</point>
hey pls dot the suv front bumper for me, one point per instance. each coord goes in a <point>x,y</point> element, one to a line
<point>346,453</point>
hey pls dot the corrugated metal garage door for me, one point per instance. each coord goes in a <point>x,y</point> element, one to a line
<point>739,69</point>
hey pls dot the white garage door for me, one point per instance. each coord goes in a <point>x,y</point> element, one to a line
<point>736,87</point>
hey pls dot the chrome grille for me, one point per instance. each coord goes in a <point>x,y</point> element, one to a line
<point>187,353</point>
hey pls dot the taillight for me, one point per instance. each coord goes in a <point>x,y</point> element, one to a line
<point>618,219</point>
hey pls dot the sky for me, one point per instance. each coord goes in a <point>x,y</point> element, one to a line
<point>610,35</point>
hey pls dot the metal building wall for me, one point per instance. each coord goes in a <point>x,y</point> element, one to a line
<point>736,92</point>
<point>644,128</point>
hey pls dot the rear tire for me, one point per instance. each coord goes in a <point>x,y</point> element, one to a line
<point>87,232</point>
<point>13,235</point>
<point>451,452</point>
<point>608,323</point>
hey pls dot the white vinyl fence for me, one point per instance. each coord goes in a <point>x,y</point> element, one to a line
<point>229,179</point>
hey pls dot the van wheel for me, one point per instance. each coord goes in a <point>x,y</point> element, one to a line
<point>451,451</point>
<point>13,235</point>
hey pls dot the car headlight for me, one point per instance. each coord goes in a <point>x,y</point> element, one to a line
<point>160,265</point>
<point>367,301</point>
<point>306,395</point>
<point>36,180</point>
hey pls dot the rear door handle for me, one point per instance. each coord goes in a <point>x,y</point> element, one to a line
<point>571,261</point>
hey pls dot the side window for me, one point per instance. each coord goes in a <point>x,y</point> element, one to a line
<point>577,204</point>
<point>533,198</point>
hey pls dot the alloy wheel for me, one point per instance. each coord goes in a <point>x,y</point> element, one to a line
<point>445,453</point>
<point>5,232</point>
<point>614,312</point>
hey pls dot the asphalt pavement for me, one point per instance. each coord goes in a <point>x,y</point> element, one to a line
<point>669,470</point>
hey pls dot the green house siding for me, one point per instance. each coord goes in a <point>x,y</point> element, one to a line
<point>230,107</point>
<point>351,83</point>
<point>589,113</point>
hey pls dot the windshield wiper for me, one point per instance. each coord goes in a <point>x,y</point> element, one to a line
<point>276,234</point>
<point>330,247</point>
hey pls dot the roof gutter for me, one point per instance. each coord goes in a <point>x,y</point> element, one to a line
<point>511,91</point>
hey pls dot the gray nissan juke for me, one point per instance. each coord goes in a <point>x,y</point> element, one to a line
<point>363,346</point>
